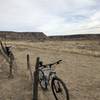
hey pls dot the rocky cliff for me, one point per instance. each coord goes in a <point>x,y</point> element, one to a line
<point>22,35</point>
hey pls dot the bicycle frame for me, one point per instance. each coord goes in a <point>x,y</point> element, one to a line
<point>49,73</point>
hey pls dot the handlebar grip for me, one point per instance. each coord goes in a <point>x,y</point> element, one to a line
<point>59,61</point>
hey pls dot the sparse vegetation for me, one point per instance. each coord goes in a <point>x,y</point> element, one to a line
<point>80,69</point>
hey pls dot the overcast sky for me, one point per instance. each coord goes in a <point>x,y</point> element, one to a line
<point>53,17</point>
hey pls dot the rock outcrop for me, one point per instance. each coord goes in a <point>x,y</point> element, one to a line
<point>22,35</point>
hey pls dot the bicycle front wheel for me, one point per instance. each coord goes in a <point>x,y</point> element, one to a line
<point>42,80</point>
<point>59,89</point>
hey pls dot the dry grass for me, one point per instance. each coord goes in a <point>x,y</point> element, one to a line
<point>80,69</point>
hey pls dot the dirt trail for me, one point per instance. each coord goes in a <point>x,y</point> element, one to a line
<point>81,73</point>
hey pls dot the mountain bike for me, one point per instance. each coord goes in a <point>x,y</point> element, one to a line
<point>47,74</point>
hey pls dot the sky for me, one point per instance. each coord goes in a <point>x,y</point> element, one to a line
<point>53,17</point>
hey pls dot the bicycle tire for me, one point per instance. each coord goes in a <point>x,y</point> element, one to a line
<point>54,86</point>
<point>42,80</point>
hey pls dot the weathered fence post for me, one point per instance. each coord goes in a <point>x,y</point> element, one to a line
<point>28,61</point>
<point>28,66</point>
<point>35,83</point>
<point>10,66</point>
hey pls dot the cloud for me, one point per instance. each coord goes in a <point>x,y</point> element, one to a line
<point>53,17</point>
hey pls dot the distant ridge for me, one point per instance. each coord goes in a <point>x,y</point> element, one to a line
<point>40,36</point>
<point>76,37</point>
<point>22,35</point>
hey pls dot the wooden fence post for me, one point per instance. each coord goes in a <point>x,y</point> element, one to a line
<point>29,67</point>
<point>35,83</point>
<point>10,66</point>
<point>28,61</point>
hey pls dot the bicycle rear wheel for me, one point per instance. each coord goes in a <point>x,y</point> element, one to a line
<point>59,89</point>
<point>42,80</point>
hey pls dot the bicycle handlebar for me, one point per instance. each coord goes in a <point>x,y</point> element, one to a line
<point>57,62</point>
